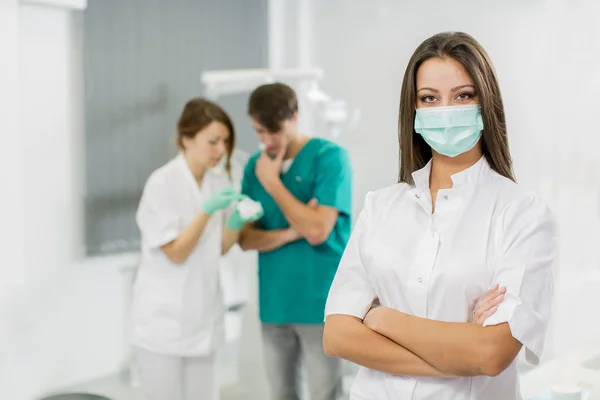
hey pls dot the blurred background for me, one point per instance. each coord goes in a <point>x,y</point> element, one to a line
<point>90,94</point>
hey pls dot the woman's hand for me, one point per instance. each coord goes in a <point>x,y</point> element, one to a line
<point>488,304</point>
<point>220,200</point>
<point>236,221</point>
<point>374,317</point>
<point>485,308</point>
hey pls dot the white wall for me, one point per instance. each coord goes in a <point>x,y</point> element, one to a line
<point>12,268</point>
<point>11,156</point>
<point>52,131</point>
<point>60,322</point>
<point>546,54</point>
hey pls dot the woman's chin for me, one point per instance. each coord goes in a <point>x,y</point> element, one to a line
<point>213,163</point>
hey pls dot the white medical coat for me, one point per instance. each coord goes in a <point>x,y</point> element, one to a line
<point>178,308</point>
<point>485,230</point>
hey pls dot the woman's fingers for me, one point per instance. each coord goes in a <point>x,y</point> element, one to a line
<point>490,299</point>
<point>486,315</point>
<point>482,308</point>
<point>490,294</point>
<point>495,301</point>
<point>228,190</point>
<point>234,196</point>
<point>487,296</point>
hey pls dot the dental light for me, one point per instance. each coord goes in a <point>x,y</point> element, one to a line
<point>332,115</point>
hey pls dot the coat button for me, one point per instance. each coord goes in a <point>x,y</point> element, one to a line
<point>420,280</point>
<point>445,197</point>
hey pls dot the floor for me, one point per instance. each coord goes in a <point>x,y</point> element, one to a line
<point>115,388</point>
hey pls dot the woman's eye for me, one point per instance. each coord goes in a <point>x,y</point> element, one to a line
<point>427,99</point>
<point>212,142</point>
<point>465,96</point>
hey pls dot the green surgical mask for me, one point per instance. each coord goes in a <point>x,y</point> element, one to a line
<point>451,130</point>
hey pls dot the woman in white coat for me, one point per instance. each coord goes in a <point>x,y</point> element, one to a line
<point>427,247</point>
<point>178,306</point>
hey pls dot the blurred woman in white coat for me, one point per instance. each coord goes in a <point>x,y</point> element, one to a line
<point>186,225</point>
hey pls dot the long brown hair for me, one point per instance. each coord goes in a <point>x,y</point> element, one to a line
<point>197,114</point>
<point>414,151</point>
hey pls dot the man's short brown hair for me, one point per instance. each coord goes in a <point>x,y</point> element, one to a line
<point>271,104</point>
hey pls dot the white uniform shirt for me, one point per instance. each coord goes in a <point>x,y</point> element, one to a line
<point>485,230</point>
<point>178,308</point>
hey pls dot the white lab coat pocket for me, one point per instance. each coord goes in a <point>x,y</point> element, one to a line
<point>158,304</point>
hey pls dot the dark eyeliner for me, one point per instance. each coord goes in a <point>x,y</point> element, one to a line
<point>470,94</point>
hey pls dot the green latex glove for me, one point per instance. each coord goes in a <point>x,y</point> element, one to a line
<point>220,200</point>
<point>236,221</point>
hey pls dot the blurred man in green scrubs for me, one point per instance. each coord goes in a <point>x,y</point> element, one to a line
<point>305,186</point>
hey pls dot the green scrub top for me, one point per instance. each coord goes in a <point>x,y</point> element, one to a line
<point>294,279</point>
